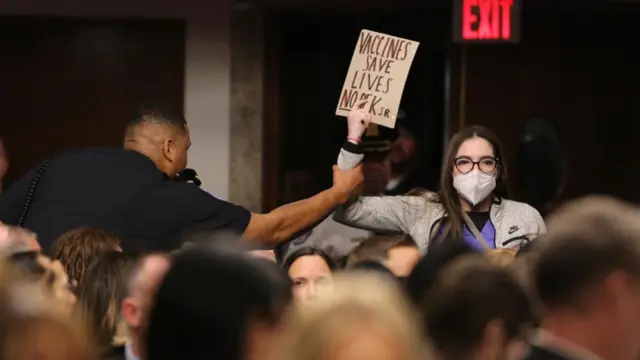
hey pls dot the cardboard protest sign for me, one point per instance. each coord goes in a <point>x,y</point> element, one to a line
<point>378,72</point>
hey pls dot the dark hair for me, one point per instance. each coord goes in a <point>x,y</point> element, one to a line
<point>101,291</point>
<point>426,271</point>
<point>76,249</point>
<point>467,295</point>
<point>447,194</point>
<point>156,113</point>
<point>376,248</point>
<point>308,251</point>
<point>206,301</point>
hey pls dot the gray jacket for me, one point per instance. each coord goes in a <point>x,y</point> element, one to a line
<point>419,216</point>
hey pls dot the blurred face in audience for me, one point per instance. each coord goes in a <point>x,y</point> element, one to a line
<point>60,285</point>
<point>42,328</point>
<point>402,259</point>
<point>376,177</point>
<point>403,148</point>
<point>309,274</point>
<point>48,275</point>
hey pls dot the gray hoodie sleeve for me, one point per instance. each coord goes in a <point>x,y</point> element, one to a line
<point>377,213</point>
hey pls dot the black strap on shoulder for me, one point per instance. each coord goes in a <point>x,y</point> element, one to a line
<point>31,193</point>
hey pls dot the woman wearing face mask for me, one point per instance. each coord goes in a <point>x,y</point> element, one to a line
<point>471,204</point>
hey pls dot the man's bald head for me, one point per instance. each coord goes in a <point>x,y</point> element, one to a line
<point>160,134</point>
<point>148,274</point>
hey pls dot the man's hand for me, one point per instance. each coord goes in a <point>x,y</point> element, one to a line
<point>347,183</point>
<point>358,120</point>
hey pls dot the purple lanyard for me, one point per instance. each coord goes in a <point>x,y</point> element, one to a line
<point>488,232</point>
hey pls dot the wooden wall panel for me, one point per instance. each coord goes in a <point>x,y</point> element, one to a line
<point>576,68</point>
<point>71,82</point>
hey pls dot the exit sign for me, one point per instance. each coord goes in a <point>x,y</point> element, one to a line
<point>486,21</point>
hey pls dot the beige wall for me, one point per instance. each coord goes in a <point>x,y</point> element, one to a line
<point>207,75</point>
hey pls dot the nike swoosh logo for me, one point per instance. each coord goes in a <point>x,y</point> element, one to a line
<point>513,229</point>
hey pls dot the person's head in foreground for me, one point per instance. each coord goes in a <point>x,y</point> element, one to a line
<point>50,275</point>
<point>309,269</point>
<point>398,253</point>
<point>587,276</point>
<point>34,324</point>
<point>426,271</point>
<point>476,310</point>
<point>78,248</point>
<point>217,304</point>
<point>362,316</point>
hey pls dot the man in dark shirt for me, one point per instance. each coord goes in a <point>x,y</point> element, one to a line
<point>130,193</point>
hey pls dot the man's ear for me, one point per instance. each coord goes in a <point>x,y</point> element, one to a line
<point>493,340</point>
<point>167,149</point>
<point>129,312</point>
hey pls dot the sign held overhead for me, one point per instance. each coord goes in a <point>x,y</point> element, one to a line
<point>378,72</point>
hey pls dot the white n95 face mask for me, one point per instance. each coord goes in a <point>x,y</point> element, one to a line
<point>474,186</point>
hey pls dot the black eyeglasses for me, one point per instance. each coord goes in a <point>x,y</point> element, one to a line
<point>486,164</point>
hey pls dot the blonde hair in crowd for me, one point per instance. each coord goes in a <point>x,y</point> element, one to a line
<point>34,323</point>
<point>355,304</point>
<point>502,257</point>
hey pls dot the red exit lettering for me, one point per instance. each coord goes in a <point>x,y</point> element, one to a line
<point>486,19</point>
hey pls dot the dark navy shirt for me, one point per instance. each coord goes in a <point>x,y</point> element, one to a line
<point>122,192</point>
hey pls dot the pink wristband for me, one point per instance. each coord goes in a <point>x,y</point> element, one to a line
<point>355,140</point>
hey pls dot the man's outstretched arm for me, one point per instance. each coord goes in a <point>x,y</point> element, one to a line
<point>283,223</point>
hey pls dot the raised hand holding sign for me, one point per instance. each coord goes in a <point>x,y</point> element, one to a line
<point>358,120</point>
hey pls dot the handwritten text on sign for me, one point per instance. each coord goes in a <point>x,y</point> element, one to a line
<point>378,71</point>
